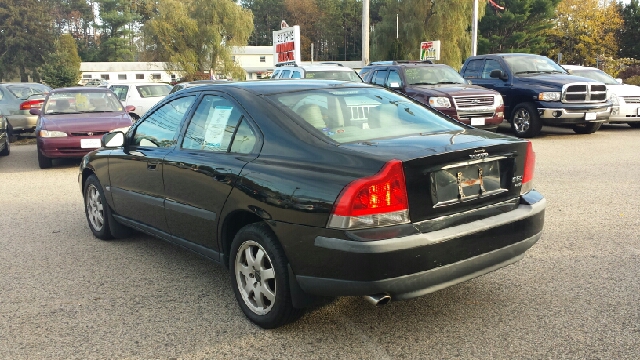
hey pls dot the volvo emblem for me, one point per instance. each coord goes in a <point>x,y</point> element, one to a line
<point>479,154</point>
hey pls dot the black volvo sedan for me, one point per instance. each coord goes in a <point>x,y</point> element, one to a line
<point>308,189</point>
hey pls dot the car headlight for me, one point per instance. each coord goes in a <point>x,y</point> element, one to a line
<point>441,102</point>
<point>549,96</point>
<point>499,101</point>
<point>613,98</point>
<point>49,133</point>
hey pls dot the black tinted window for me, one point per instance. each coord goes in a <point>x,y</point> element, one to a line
<point>489,66</point>
<point>473,69</point>
<point>212,125</point>
<point>394,79</point>
<point>379,77</point>
<point>245,139</point>
<point>159,129</point>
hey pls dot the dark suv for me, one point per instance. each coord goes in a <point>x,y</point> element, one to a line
<point>440,87</point>
<point>538,91</point>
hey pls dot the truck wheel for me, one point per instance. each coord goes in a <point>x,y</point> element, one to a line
<point>635,125</point>
<point>586,128</point>
<point>525,121</point>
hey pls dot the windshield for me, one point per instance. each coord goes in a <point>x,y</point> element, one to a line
<point>532,64</point>
<point>333,75</point>
<point>82,102</point>
<point>22,92</point>
<point>146,91</point>
<point>432,75</point>
<point>595,75</point>
<point>361,114</point>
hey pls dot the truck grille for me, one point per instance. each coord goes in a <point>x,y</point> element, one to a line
<point>584,93</point>
<point>631,99</point>
<point>472,101</point>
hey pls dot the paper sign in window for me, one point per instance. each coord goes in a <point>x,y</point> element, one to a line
<point>216,125</point>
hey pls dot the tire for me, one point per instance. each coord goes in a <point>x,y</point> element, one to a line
<point>43,161</point>
<point>586,128</point>
<point>12,138</point>
<point>99,214</point>
<point>6,151</point>
<point>525,121</point>
<point>257,262</point>
<point>635,125</point>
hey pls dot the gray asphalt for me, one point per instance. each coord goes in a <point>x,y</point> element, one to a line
<point>575,295</point>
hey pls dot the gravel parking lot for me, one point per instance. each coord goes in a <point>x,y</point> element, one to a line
<point>576,294</point>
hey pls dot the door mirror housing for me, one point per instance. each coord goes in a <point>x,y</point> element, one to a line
<point>112,139</point>
<point>129,108</point>
<point>620,81</point>
<point>498,74</point>
<point>35,111</point>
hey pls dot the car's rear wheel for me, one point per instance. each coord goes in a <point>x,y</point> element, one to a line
<point>586,128</point>
<point>635,125</point>
<point>43,161</point>
<point>260,278</point>
<point>525,121</point>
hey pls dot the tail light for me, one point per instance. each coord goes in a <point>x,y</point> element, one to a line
<point>31,104</point>
<point>378,200</point>
<point>529,167</point>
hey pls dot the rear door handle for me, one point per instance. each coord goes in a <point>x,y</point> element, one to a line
<point>151,165</point>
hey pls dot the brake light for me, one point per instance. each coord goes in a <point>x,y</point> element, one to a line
<point>529,167</point>
<point>378,200</point>
<point>31,104</point>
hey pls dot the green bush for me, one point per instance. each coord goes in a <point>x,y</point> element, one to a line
<point>634,80</point>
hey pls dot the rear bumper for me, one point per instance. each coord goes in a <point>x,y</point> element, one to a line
<point>22,123</point>
<point>418,264</point>
<point>63,147</point>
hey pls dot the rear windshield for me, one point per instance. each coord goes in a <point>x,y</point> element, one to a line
<point>333,75</point>
<point>82,102</point>
<point>146,91</point>
<point>361,114</point>
<point>24,91</point>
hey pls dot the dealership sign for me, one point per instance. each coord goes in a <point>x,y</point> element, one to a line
<point>286,45</point>
<point>430,50</point>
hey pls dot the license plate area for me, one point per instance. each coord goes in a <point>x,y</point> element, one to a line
<point>590,116</point>
<point>466,181</point>
<point>89,143</point>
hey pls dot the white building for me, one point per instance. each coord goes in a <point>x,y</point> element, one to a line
<point>257,61</point>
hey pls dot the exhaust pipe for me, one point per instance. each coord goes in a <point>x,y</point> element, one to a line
<point>378,299</point>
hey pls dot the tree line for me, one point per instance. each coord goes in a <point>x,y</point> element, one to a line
<point>194,35</point>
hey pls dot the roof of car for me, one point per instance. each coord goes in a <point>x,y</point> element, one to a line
<point>138,83</point>
<point>267,87</point>
<point>80,89</point>
<point>316,67</point>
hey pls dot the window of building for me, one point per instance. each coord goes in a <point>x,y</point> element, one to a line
<point>122,76</point>
<point>263,59</point>
<point>104,76</point>
<point>156,76</point>
<point>173,77</point>
<point>87,76</point>
<point>139,76</point>
<point>233,58</point>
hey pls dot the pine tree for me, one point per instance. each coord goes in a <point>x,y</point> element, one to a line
<point>62,67</point>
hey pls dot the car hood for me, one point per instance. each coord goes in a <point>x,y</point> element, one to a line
<point>624,90</point>
<point>553,80</point>
<point>449,89</point>
<point>416,146</point>
<point>87,122</point>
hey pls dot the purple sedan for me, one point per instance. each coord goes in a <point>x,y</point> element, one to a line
<point>72,121</point>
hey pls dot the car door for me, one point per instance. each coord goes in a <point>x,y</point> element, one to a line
<point>201,171</point>
<point>499,85</point>
<point>135,171</point>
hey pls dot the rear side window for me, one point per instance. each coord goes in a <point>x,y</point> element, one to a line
<point>160,128</point>
<point>285,74</point>
<point>120,91</point>
<point>296,75</point>
<point>213,125</point>
<point>379,77</point>
<point>489,66</point>
<point>394,79</point>
<point>473,69</point>
<point>360,114</point>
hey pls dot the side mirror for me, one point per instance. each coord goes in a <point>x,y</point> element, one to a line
<point>129,108</point>
<point>112,139</point>
<point>394,85</point>
<point>498,74</point>
<point>35,111</point>
<point>620,81</point>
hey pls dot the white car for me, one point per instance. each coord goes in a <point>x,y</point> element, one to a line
<point>140,95</point>
<point>625,98</point>
<point>323,71</point>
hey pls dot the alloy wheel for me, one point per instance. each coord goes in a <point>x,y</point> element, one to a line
<point>95,208</point>
<point>522,121</point>
<point>256,277</point>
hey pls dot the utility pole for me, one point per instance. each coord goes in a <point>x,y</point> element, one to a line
<point>365,32</point>
<point>474,29</point>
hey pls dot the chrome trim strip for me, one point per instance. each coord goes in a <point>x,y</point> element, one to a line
<point>434,237</point>
<point>471,162</point>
